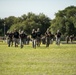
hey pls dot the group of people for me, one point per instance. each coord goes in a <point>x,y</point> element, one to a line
<point>36,38</point>
<point>16,38</point>
<point>20,37</point>
<point>69,38</point>
<point>49,37</point>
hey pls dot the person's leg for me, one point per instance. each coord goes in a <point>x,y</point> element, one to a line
<point>58,41</point>
<point>11,42</point>
<point>34,43</point>
<point>20,43</point>
<point>46,42</point>
<point>8,42</point>
<point>15,42</point>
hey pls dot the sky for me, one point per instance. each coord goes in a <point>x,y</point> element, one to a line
<point>19,7</point>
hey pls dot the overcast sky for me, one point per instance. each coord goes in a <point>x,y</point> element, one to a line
<point>20,7</point>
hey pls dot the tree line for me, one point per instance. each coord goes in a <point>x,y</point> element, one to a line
<point>65,21</point>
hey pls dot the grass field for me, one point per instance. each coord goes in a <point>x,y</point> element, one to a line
<point>54,60</point>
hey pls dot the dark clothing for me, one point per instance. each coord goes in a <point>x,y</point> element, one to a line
<point>34,35</point>
<point>23,35</point>
<point>58,37</point>
<point>58,34</point>
<point>16,38</point>
<point>38,38</point>
<point>47,35</point>
<point>10,39</point>
<point>38,34</point>
<point>16,35</point>
<point>10,35</point>
<point>71,38</point>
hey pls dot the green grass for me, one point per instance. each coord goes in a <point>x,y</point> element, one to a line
<point>54,60</point>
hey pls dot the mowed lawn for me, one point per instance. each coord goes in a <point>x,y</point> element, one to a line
<point>54,60</point>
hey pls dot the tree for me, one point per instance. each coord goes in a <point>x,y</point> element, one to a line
<point>30,21</point>
<point>45,22</point>
<point>1,27</point>
<point>65,21</point>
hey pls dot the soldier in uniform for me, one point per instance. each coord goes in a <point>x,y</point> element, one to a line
<point>58,37</point>
<point>38,37</point>
<point>47,36</point>
<point>16,37</point>
<point>34,36</point>
<point>67,39</point>
<point>10,38</point>
<point>23,37</point>
<point>71,38</point>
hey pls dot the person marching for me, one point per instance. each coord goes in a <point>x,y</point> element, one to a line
<point>47,36</point>
<point>67,39</point>
<point>34,36</point>
<point>10,38</point>
<point>58,37</point>
<point>38,37</point>
<point>23,37</point>
<point>71,38</point>
<point>16,38</point>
